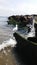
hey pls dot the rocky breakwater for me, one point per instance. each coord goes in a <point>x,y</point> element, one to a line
<point>27,50</point>
<point>21,20</point>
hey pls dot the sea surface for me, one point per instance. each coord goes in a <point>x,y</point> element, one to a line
<point>6,34</point>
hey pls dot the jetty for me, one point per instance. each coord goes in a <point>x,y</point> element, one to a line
<point>26,49</point>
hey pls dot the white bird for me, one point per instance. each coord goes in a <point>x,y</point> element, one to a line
<point>15,28</point>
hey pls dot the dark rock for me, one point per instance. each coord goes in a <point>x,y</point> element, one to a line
<point>26,50</point>
<point>33,39</point>
<point>35,25</point>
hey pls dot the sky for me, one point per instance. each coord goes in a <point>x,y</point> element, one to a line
<point>17,7</point>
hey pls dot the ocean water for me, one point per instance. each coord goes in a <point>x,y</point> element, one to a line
<point>7,42</point>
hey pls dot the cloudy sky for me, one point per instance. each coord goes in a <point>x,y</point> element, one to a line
<point>17,7</point>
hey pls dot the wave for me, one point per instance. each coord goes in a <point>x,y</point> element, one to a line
<point>11,42</point>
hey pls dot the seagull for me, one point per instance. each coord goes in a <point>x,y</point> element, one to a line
<point>15,28</point>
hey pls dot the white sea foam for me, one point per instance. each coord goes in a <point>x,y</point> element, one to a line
<point>32,32</point>
<point>7,43</point>
<point>10,42</point>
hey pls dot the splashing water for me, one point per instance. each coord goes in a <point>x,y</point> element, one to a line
<point>10,42</point>
<point>32,32</point>
<point>6,40</point>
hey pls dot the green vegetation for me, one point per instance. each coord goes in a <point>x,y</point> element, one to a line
<point>12,21</point>
<point>21,21</point>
